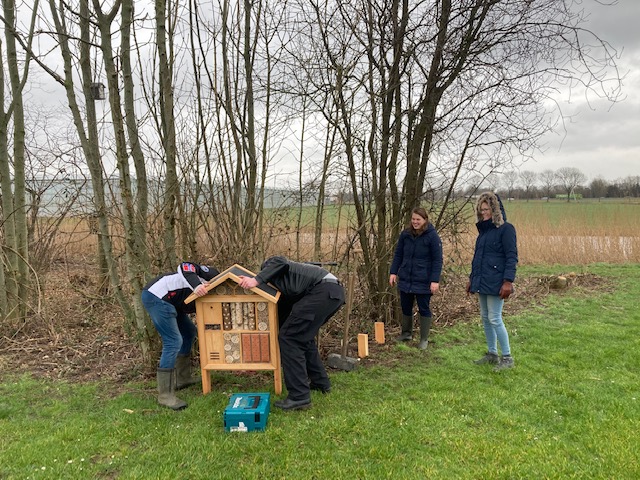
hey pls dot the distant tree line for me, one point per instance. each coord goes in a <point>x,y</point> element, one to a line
<point>568,183</point>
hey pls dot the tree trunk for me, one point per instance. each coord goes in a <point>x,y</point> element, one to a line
<point>168,132</point>
<point>14,206</point>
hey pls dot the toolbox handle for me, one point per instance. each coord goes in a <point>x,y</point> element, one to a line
<point>256,402</point>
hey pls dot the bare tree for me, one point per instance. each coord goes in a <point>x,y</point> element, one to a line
<point>430,88</point>
<point>528,180</point>
<point>548,179</point>
<point>164,19</point>
<point>239,120</point>
<point>630,186</point>
<point>409,100</point>
<point>136,264</point>
<point>569,178</point>
<point>509,180</point>
<point>598,187</point>
<point>14,272</point>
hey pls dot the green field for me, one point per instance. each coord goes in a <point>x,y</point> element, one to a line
<point>620,216</point>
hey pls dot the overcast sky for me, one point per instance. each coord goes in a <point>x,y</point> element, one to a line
<point>599,138</point>
<point>602,139</point>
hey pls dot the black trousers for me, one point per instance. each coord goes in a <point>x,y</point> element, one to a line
<point>299,354</point>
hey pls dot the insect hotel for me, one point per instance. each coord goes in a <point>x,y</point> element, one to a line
<point>237,328</point>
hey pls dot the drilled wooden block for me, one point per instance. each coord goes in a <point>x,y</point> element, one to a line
<point>250,316</point>
<point>264,347</point>
<point>247,354</point>
<point>255,348</point>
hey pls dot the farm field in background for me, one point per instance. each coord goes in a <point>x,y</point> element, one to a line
<point>549,232</point>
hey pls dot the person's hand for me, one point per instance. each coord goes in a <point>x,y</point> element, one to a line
<point>247,282</point>
<point>468,289</point>
<point>201,290</point>
<point>393,279</point>
<point>434,287</point>
<point>506,289</point>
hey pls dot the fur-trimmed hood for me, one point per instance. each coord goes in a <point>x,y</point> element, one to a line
<point>498,215</point>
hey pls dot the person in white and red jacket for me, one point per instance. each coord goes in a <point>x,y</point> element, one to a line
<point>163,298</point>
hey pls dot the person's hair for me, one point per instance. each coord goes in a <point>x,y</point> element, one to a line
<point>423,213</point>
<point>498,217</point>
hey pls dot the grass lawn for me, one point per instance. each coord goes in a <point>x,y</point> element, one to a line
<point>570,409</point>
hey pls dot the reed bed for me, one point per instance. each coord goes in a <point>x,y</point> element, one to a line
<point>576,233</point>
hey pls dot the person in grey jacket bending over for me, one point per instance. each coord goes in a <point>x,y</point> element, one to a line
<point>493,271</point>
<point>310,296</point>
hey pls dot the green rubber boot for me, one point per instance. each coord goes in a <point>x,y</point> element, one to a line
<point>425,326</point>
<point>407,326</point>
<point>183,373</point>
<point>167,389</point>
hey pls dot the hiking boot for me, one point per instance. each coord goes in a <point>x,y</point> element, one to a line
<point>491,358</point>
<point>505,362</point>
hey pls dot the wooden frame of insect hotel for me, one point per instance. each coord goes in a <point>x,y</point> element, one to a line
<point>237,328</point>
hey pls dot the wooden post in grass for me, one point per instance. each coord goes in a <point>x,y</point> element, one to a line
<point>363,345</point>
<point>379,332</point>
<point>351,279</point>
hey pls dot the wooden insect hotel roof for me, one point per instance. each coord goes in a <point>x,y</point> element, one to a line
<point>233,273</point>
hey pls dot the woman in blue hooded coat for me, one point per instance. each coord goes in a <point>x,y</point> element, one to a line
<point>493,271</point>
<point>416,269</point>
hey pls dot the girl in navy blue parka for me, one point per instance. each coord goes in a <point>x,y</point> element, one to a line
<point>493,271</point>
<point>416,269</point>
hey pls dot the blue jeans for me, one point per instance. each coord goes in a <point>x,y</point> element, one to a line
<point>494,329</point>
<point>176,330</point>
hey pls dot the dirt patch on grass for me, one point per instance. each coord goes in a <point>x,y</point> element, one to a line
<point>81,336</point>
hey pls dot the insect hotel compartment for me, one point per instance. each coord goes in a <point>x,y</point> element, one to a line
<point>238,328</point>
